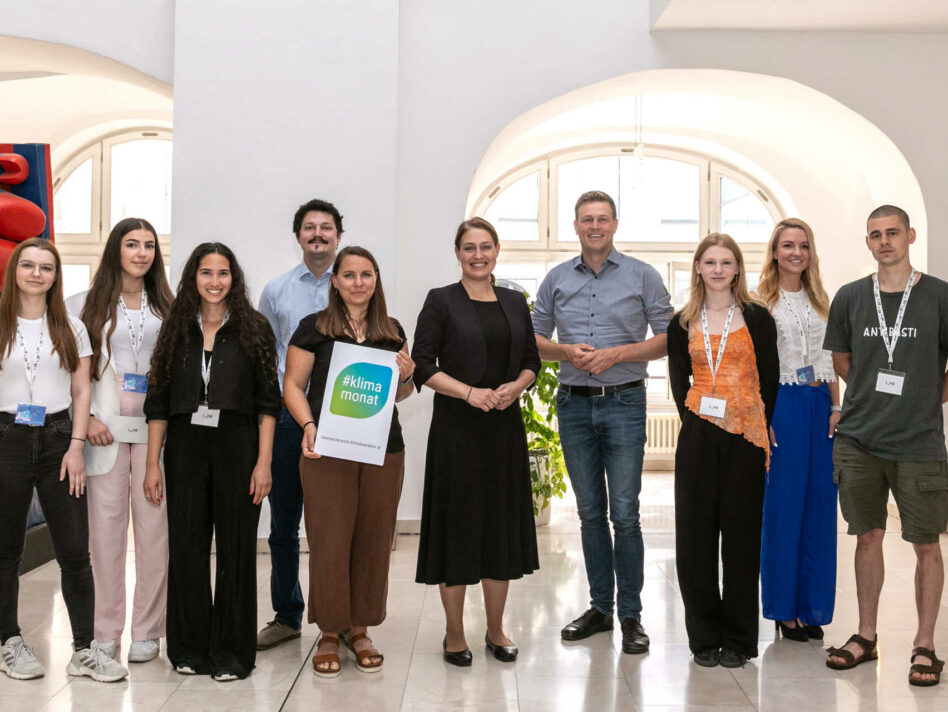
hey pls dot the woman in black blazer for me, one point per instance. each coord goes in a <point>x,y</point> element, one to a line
<point>474,346</point>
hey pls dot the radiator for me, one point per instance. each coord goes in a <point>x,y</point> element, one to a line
<point>662,431</point>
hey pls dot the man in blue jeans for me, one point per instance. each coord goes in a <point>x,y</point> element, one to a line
<point>285,300</point>
<point>601,305</point>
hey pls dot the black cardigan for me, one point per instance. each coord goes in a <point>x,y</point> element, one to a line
<point>448,336</point>
<point>239,382</point>
<point>763,333</point>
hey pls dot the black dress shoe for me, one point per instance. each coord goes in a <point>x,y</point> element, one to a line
<point>708,658</point>
<point>732,658</point>
<point>634,639</point>
<point>461,658</point>
<point>814,632</point>
<point>797,633</point>
<point>592,621</point>
<point>504,653</point>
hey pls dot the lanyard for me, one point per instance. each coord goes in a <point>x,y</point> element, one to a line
<point>707,341</point>
<point>136,341</point>
<point>897,327</point>
<point>206,372</point>
<point>31,369</point>
<point>804,331</point>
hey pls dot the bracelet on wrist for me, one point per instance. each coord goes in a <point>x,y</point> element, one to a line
<point>469,391</point>
<point>82,440</point>
<point>411,377</point>
<point>836,408</point>
<point>312,422</point>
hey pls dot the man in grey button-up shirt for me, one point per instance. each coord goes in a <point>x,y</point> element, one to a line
<point>601,305</point>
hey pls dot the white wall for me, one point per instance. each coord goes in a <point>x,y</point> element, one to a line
<point>386,108</point>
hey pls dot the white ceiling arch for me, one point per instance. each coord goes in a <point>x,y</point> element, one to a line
<point>821,160</point>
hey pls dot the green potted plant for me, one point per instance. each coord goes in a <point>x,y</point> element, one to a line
<point>547,467</point>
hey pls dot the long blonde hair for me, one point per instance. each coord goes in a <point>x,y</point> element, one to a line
<point>738,287</point>
<point>769,286</point>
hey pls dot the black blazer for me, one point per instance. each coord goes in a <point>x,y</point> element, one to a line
<point>448,336</point>
<point>763,333</point>
<point>238,382</point>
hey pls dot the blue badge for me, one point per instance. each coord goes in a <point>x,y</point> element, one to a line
<point>30,414</point>
<point>806,375</point>
<point>135,383</point>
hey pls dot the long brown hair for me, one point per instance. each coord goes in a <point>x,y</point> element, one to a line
<point>738,286</point>
<point>254,332</point>
<point>57,319</point>
<point>769,286</point>
<point>102,300</point>
<point>334,320</point>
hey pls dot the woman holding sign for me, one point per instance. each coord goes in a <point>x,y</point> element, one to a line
<point>213,391</point>
<point>798,545</point>
<point>43,372</point>
<point>728,344</point>
<point>475,348</point>
<point>350,506</point>
<point>123,311</point>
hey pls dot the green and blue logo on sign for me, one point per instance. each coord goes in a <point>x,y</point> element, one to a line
<point>360,390</point>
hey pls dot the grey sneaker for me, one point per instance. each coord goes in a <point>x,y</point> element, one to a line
<point>111,648</point>
<point>97,664</point>
<point>141,651</point>
<point>274,633</point>
<point>17,660</point>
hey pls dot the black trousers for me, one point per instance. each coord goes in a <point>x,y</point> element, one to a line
<point>719,494</point>
<point>207,471</point>
<point>32,457</point>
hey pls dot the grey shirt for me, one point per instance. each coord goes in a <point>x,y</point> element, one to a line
<point>612,308</point>
<point>906,427</point>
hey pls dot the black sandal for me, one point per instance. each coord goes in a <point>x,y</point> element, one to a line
<point>869,652</point>
<point>934,669</point>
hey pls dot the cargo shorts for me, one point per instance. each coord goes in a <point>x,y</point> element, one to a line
<point>920,489</point>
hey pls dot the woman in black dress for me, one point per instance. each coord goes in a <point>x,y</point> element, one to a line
<point>474,346</point>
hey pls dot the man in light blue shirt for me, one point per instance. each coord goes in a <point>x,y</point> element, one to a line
<point>601,305</point>
<point>285,301</point>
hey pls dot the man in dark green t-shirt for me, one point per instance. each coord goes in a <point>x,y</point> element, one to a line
<point>889,336</point>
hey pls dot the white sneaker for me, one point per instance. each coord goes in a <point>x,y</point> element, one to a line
<point>184,670</point>
<point>225,677</point>
<point>141,651</point>
<point>111,648</point>
<point>17,660</point>
<point>97,664</point>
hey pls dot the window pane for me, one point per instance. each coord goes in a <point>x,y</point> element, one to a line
<point>743,215</point>
<point>523,276</point>
<point>682,287</point>
<point>657,198</point>
<point>514,212</point>
<point>75,279</point>
<point>72,202</point>
<point>141,182</point>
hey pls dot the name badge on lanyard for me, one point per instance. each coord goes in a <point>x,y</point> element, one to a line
<point>888,380</point>
<point>806,374</point>
<point>710,405</point>
<point>31,413</point>
<point>135,382</point>
<point>208,417</point>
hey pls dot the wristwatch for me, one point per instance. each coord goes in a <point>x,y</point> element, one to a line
<point>836,408</point>
<point>408,380</point>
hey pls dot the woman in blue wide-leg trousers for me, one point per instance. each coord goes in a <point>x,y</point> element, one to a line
<point>798,544</point>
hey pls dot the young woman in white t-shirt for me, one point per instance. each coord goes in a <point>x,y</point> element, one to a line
<point>44,369</point>
<point>123,311</point>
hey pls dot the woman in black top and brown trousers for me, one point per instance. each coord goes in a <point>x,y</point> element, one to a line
<point>474,346</point>
<point>213,390</point>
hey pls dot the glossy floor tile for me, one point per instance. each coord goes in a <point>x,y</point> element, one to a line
<point>549,675</point>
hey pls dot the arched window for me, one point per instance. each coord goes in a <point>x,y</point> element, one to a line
<point>123,175</point>
<point>667,200</point>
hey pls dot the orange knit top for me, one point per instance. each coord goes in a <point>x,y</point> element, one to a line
<point>737,381</point>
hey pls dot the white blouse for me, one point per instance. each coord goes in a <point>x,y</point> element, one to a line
<point>121,342</point>
<point>52,386</point>
<point>796,318</point>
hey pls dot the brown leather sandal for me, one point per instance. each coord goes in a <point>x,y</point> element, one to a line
<point>361,656</point>
<point>934,669</point>
<point>869,652</point>
<point>327,659</point>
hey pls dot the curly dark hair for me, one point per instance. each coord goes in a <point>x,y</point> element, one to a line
<point>318,206</point>
<point>252,326</point>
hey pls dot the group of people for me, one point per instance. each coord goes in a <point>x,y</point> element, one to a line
<point>189,409</point>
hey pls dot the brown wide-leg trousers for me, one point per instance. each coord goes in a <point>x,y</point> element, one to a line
<point>350,511</point>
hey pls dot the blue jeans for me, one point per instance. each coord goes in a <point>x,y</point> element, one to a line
<point>604,441</point>
<point>286,511</point>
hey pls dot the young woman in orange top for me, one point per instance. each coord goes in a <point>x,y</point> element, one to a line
<point>727,345</point>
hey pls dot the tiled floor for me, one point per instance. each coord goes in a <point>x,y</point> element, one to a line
<point>549,675</point>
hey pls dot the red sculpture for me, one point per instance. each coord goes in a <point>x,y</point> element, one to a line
<point>25,196</point>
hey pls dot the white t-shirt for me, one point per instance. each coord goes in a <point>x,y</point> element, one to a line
<point>121,342</point>
<point>52,386</point>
